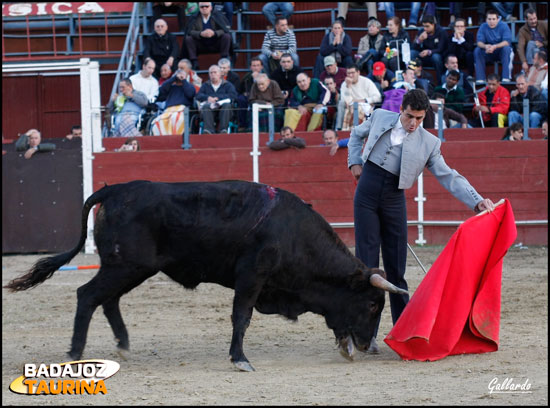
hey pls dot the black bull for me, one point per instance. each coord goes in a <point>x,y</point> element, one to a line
<point>278,254</point>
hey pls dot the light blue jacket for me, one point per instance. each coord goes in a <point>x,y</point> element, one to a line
<point>420,149</point>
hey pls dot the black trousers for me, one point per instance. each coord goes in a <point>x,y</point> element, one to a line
<point>219,45</point>
<point>380,214</point>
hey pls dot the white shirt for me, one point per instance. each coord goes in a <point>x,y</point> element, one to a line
<point>149,86</point>
<point>398,133</point>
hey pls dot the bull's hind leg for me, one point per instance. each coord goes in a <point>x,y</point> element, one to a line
<point>111,310</point>
<point>107,286</point>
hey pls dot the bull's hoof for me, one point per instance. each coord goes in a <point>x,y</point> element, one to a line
<point>244,366</point>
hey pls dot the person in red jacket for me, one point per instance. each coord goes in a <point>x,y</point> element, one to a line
<point>494,104</point>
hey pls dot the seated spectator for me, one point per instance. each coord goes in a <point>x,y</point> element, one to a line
<point>307,101</point>
<point>285,8</point>
<point>513,132</point>
<point>76,131</point>
<point>161,46</point>
<point>539,70</point>
<point>29,142</point>
<point>126,108</point>
<point>337,45</point>
<point>381,77</point>
<point>278,41</point>
<point>333,71</point>
<point>216,97</point>
<point>358,89</point>
<point>451,118</point>
<point>532,38</point>
<point>537,104</point>
<point>393,38</point>
<point>389,7</point>
<point>451,63</point>
<point>453,94</point>
<point>160,8</point>
<point>130,145</point>
<point>144,80</point>
<point>461,45</point>
<point>371,46</point>
<point>267,92</point>
<point>285,75</point>
<point>423,77</point>
<point>409,81</point>
<point>333,101</point>
<point>494,43</point>
<point>430,45</point>
<point>545,129</point>
<point>227,74</point>
<point>288,139</point>
<point>207,33</point>
<point>330,137</point>
<point>165,73</point>
<point>178,94</point>
<point>494,104</point>
<point>256,67</point>
<point>343,9</point>
<point>191,76</point>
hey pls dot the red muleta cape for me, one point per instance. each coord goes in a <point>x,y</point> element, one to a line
<point>456,308</point>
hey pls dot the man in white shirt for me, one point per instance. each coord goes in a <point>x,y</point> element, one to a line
<point>356,88</point>
<point>144,80</point>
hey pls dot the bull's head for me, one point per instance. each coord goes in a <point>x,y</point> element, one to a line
<point>358,316</point>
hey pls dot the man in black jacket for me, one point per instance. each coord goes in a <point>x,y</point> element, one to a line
<point>207,33</point>
<point>286,75</point>
<point>537,104</point>
<point>430,45</point>
<point>162,47</point>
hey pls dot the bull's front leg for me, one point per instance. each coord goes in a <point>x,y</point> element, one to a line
<point>242,313</point>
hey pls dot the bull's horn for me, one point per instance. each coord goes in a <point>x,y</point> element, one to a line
<point>380,282</point>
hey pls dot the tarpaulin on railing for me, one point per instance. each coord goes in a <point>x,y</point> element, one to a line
<point>43,9</point>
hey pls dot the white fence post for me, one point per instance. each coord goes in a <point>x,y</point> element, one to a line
<point>255,153</point>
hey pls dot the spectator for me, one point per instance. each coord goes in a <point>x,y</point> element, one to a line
<point>126,107</point>
<point>286,75</point>
<point>330,137</point>
<point>494,104</point>
<point>216,96</point>
<point>532,38</point>
<point>537,104</point>
<point>381,77</point>
<point>393,40</point>
<point>256,67</point>
<point>452,93</point>
<point>144,80</point>
<point>287,140</point>
<point>413,18</point>
<point>165,73</point>
<point>227,74</point>
<point>343,9</point>
<point>76,131</point>
<point>358,89</point>
<point>451,118</point>
<point>424,78</point>
<point>430,45</point>
<point>130,145</point>
<point>225,7</point>
<point>494,40</point>
<point>161,46</point>
<point>160,8</point>
<point>514,132</point>
<point>278,41</point>
<point>191,76</point>
<point>539,70</point>
<point>266,91</point>
<point>505,10</point>
<point>544,87</point>
<point>371,46</point>
<point>333,71</point>
<point>269,10</point>
<point>461,45</point>
<point>337,45</point>
<point>545,129</point>
<point>178,94</point>
<point>333,101</point>
<point>307,100</point>
<point>30,143</point>
<point>451,63</point>
<point>207,33</point>
<point>409,81</point>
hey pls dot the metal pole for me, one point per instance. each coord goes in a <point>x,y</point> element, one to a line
<point>186,145</point>
<point>526,119</point>
<point>420,200</point>
<point>417,260</point>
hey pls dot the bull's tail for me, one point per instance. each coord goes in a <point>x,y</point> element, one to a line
<point>44,268</point>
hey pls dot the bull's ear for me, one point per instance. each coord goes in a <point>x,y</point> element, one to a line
<point>359,279</point>
<point>377,271</point>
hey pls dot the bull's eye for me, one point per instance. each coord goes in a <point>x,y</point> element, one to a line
<point>373,306</point>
